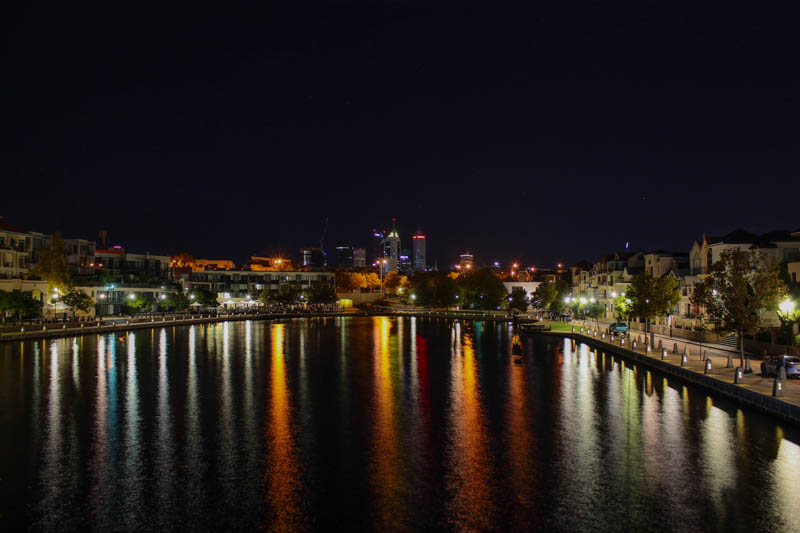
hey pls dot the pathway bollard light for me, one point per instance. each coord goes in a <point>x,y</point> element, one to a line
<point>708,367</point>
<point>603,336</point>
<point>686,350</point>
<point>738,376</point>
<point>648,349</point>
<point>684,360</point>
<point>777,388</point>
<point>663,354</point>
<point>782,374</point>
<point>573,329</point>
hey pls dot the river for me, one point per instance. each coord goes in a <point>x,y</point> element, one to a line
<point>374,423</point>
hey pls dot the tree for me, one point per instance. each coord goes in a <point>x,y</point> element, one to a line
<point>482,289</point>
<point>140,303</point>
<point>77,300</point>
<point>519,300</point>
<point>391,282</point>
<point>19,305</point>
<point>423,288</point>
<point>595,311</point>
<point>321,293</point>
<point>445,292</point>
<point>204,297</point>
<point>550,295</point>
<point>52,264</point>
<point>651,297</point>
<point>174,301</point>
<point>346,281</point>
<point>622,307</point>
<point>740,287</point>
<point>545,295</point>
<point>372,281</point>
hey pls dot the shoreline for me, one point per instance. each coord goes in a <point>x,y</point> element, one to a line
<point>129,325</point>
<point>713,384</point>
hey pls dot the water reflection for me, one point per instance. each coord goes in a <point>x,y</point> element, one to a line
<point>283,473</point>
<point>165,469</point>
<point>470,502</point>
<point>413,424</point>
<point>132,473</point>
<point>386,480</point>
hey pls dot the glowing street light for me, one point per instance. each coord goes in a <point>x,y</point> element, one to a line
<point>787,306</point>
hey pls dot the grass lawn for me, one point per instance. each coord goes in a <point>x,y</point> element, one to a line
<point>561,326</point>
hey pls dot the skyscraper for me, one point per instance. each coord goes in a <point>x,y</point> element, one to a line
<point>391,249</point>
<point>344,254</point>
<point>420,251</point>
<point>360,257</point>
<point>376,246</point>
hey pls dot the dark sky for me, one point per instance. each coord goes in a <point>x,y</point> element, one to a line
<point>531,135</point>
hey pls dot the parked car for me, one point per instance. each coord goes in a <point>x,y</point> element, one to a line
<point>771,365</point>
<point>566,318</point>
<point>618,327</point>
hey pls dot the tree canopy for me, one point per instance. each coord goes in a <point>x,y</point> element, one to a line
<point>77,300</point>
<point>651,297</point>
<point>52,264</point>
<point>19,305</point>
<point>740,287</point>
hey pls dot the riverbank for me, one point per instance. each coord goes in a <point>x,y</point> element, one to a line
<point>50,331</point>
<point>755,391</point>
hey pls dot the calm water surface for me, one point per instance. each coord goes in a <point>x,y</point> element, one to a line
<point>377,424</point>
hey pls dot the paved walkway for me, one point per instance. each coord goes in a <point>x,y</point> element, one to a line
<point>719,359</point>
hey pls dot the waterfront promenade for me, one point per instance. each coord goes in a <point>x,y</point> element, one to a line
<point>755,391</point>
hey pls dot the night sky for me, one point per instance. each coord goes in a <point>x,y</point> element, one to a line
<point>538,136</point>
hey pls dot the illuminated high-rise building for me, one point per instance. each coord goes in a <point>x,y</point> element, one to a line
<point>420,251</point>
<point>391,249</point>
<point>376,246</point>
<point>466,261</point>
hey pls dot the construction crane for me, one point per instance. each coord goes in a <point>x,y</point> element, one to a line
<point>324,232</point>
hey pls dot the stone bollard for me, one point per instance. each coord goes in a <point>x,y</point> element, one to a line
<point>603,336</point>
<point>685,350</point>
<point>622,342</point>
<point>595,333</point>
<point>782,374</point>
<point>660,345</point>
<point>738,376</point>
<point>747,368</point>
<point>684,360</point>
<point>675,349</point>
<point>633,345</point>
<point>708,367</point>
<point>648,349</point>
<point>730,361</point>
<point>777,388</point>
<point>663,354</point>
<point>573,329</point>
